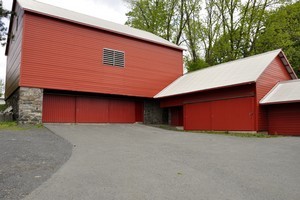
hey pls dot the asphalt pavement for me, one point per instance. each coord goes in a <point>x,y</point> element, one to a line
<point>128,162</point>
<point>28,158</point>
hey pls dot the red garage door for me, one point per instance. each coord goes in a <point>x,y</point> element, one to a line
<point>284,119</point>
<point>72,109</point>
<point>224,115</point>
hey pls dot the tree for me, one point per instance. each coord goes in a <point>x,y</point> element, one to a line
<point>3,30</point>
<point>282,30</point>
<point>173,20</point>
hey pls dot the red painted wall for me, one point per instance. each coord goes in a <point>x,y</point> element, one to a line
<point>86,109</point>
<point>176,116</point>
<point>65,56</point>
<point>274,73</point>
<point>59,108</point>
<point>223,115</point>
<point>284,119</point>
<point>210,95</point>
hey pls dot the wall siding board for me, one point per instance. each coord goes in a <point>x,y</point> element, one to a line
<point>274,73</point>
<point>66,56</point>
<point>222,115</point>
<point>284,119</point>
<point>14,54</point>
<point>210,95</point>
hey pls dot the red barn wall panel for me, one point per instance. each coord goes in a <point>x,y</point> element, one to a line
<point>139,111</point>
<point>66,56</point>
<point>91,110</point>
<point>59,109</point>
<point>197,116</point>
<point>247,90</point>
<point>274,73</point>
<point>14,53</point>
<point>284,119</point>
<point>223,115</point>
<point>121,111</point>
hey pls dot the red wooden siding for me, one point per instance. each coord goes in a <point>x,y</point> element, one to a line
<point>223,115</point>
<point>121,111</point>
<point>62,55</point>
<point>274,73</point>
<point>91,110</point>
<point>58,108</point>
<point>197,116</point>
<point>284,119</point>
<point>210,95</point>
<point>14,53</point>
<point>81,109</point>
<point>176,116</point>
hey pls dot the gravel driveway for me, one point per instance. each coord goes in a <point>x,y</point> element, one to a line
<point>28,158</point>
<point>140,162</point>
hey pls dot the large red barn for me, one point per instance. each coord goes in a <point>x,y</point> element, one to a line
<point>66,67</point>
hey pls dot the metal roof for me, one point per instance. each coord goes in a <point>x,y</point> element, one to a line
<point>283,92</point>
<point>242,71</point>
<point>68,15</point>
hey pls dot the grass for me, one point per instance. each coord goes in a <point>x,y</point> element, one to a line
<point>12,126</point>
<point>234,134</point>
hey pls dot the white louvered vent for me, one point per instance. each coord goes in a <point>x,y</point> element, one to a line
<point>113,57</point>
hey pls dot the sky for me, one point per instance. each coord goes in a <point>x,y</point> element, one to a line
<point>111,10</point>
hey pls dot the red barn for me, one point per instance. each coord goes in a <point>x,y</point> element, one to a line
<point>226,97</point>
<point>64,66</point>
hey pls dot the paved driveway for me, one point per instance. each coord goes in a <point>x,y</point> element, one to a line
<point>140,162</point>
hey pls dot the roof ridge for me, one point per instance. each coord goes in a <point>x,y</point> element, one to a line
<point>92,21</point>
<point>229,62</point>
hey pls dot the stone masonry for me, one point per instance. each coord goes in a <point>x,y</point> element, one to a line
<point>27,105</point>
<point>153,114</point>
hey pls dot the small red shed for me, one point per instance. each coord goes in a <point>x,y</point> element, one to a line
<point>226,97</point>
<point>283,105</point>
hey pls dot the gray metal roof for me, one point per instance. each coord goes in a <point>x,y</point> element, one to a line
<point>64,14</point>
<point>283,92</point>
<point>242,71</point>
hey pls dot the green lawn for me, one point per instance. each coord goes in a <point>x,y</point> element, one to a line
<point>12,126</point>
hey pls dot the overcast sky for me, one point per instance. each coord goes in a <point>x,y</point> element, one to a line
<point>112,10</point>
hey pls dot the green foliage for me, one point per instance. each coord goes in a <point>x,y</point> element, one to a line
<point>282,30</point>
<point>3,30</point>
<point>193,65</point>
<point>3,107</point>
<point>221,30</point>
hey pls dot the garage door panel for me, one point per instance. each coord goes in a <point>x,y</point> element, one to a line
<point>223,115</point>
<point>220,115</point>
<point>121,111</point>
<point>91,110</point>
<point>58,109</point>
<point>197,116</point>
<point>81,109</point>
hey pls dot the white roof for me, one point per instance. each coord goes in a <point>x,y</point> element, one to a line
<point>283,92</point>
<point>237,72</point>
<point>61,13</point>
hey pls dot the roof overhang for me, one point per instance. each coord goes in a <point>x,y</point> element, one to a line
<point>205,90</point>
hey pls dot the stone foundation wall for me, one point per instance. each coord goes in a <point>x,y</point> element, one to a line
<point>153,114</point>
<point>27,105</point>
